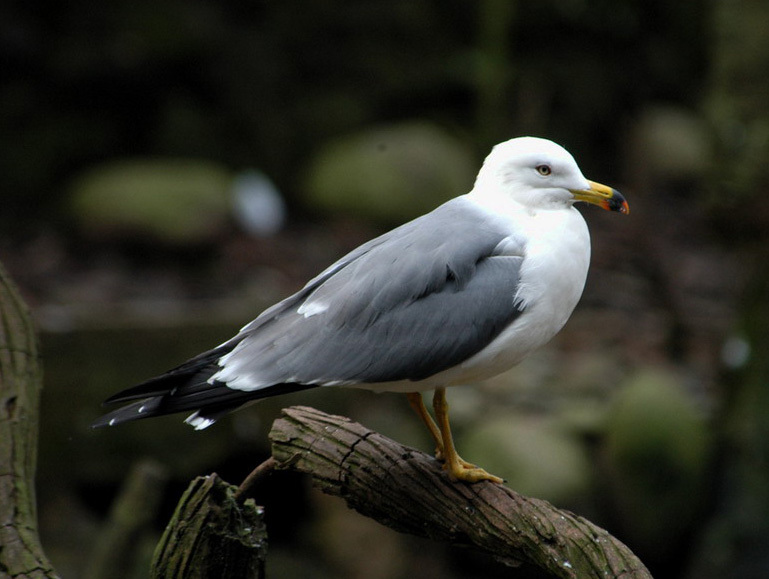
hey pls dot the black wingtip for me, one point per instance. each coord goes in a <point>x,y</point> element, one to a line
<point>129,413</point>
<point>154,387</point>
<point>196,370</point>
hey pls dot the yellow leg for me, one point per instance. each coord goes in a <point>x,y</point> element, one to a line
<point>457,468</point>
<point>418,404</point>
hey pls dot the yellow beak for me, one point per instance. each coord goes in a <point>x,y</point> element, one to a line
<point>603,196</point>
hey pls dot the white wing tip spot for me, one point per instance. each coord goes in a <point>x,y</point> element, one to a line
<point>309,309</point>
<point>199,422</point>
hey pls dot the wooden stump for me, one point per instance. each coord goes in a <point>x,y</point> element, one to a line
<point>212,535</point>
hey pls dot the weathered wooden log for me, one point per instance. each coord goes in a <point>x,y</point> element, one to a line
<point>21,555</point>
<point>212,535</point>
<point>407,490</point>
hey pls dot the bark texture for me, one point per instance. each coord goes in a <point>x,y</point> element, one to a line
<point>21,555</point>
<point>406,490</point>
<point>212,535</point>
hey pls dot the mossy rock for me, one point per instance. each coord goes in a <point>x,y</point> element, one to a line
<point>390,174</point>
<point>674,142</point>
<point>533,454</point>
<point>658,450</point>
<point>174,200</point>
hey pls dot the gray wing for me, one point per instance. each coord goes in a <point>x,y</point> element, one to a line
<point>413,302</point>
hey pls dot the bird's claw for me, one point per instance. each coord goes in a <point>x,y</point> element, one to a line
<point>460,469</point>
<point>439,455</point>
<point>466,472</point>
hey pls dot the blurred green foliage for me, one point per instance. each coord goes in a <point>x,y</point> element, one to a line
<point>390,174</point>
<point>174,200</point>
<point>266,83</point>
<point>658,450</point>
<point>85,86</point>
<point>535,455</point>
<point>737,103</point>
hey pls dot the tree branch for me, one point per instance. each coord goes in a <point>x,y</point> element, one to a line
<point>21,555</point>
<point>406,490</point>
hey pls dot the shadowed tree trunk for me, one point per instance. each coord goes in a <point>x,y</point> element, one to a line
<point>494,71</point>
<point>21,555</point>
<point>115,549</point>
<point>736,543</point>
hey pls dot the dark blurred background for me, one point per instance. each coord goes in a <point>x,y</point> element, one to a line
<point>170,168</point>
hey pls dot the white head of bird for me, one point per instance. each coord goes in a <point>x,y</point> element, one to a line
<point>538,174</point>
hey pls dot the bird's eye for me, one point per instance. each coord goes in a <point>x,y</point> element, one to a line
<point>544,170</point>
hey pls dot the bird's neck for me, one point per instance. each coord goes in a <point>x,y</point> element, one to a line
<point>500,202</point>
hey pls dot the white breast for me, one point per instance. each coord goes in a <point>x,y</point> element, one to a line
<point>552,279</point>
<point>553,274</point>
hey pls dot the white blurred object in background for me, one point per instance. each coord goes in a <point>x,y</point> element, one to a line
<point>258,205</point>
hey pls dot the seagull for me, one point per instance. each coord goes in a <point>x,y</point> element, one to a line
<point>455,296</point>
